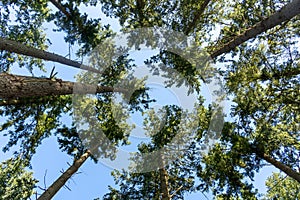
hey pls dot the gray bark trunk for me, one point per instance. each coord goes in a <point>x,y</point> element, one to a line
<point>13,87</point>
<point>192,24</point>
<point>286,169</point>
<point>16,47</point>
<point>286,13</point>
<point>61,181</point>
<point>61,8</point>
<point>164,186</point>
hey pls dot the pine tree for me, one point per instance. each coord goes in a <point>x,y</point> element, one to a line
<point>256,46</point>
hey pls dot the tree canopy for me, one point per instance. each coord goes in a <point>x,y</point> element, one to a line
<point>253,46</point>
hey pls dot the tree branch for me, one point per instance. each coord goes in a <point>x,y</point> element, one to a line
<point>176,191</point>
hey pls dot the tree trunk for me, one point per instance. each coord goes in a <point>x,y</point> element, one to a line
<point>60,182</point>
<point>286,13</point>
<point>164,186</point>
<point>192,24</point>
<point>16,47</point>
<point>14,86</point>
<point>58,5</point>
<point>286,169</point>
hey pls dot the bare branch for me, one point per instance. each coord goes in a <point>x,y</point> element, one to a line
<point>177,190</point>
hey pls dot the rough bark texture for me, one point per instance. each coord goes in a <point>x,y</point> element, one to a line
<point>286,169</point>
<point>164,186</point>
<point>60,182</point>
<point>286,13</point>
<point>26,101</point>
<point>13,87</point>
<point>16,47</point>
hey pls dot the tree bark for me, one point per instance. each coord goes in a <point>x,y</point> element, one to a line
<point>16,47</point>
<point>25,101</point>
<point>164,186</point>
<point>14,86</point>
<point>286,13</point>
<point>60,182</point>
<point>191,25</point>
<point>286,169</point>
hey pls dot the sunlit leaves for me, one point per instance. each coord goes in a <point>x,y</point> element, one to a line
<point>22,21</point>
<point>282,187</point>
<point>28,123</point>
<point>15,181</point>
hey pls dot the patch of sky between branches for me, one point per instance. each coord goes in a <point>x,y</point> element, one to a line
<point>161,93</point>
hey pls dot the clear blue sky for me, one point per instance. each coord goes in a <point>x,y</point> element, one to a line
<point>93,179</point>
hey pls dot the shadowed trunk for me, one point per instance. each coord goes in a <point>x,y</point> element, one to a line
<point>164,186</point>
<point>286,169</point>
<point>192,24</point>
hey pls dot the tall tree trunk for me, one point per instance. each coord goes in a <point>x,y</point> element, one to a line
<point>164,186</point>
<point>26,101</point>
<point>60,7</point>
<point>14,86</point>
<point>192,24</point>
<point>286,13</point>
<point>16,47</point>
<point>60,182</point>
<point>286,169</point>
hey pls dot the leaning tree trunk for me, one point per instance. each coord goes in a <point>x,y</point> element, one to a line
<point>286,169</point>
<point>58,5</point>
<point>286,13</point>
<point>16,47</point>
<point>60,182</point>
<point>192,24</point>
<point>14,86</point>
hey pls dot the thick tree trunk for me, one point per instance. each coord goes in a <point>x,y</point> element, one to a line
<point>60,182</point>
<point>289,171</point>
<point>286,13</point>
<point>16,47</point>
<point>26,101</point>
<point>13,87</point>
<point>164,186</point>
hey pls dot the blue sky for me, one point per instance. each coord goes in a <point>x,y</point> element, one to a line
<point>93,179</point>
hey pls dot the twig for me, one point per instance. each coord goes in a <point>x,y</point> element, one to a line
<point>176,191</point>
<point>45,186</point>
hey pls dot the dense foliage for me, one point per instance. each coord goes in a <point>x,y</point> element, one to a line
<point>258,61</point>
